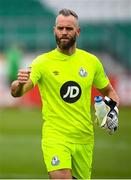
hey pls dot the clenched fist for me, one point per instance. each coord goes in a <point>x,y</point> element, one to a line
<point>22,84</point>
<point>23,75</point>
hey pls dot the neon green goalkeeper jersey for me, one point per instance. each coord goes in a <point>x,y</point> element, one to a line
<point>65,84</point>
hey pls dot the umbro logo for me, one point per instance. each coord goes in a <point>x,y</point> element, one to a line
<point>56,72</point>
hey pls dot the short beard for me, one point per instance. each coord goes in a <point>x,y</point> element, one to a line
<point>66,46</point>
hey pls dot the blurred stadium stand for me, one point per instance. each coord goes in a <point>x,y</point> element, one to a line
<point>26,23</point>
<point>105,25</point>
<point>105,28</point>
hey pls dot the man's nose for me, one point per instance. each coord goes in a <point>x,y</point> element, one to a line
<point>64,31</point>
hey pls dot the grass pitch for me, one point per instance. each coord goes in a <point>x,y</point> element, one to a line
<point>21,155</point>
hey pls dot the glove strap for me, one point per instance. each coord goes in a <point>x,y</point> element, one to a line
<point>116,109</point>
<point>109,102</point>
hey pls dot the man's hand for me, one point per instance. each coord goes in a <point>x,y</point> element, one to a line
<point>110,121</point>
<point>22,84</point>
<point>23,75</point>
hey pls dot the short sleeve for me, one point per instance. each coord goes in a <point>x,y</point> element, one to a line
<point>35,74</point>
<point>100,79</point>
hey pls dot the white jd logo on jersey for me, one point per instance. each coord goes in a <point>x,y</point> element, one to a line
<point>72,92</point>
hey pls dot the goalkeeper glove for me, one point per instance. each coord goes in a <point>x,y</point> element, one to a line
<point>110,121</point>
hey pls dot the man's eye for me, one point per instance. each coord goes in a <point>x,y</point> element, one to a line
<point>59,28</point>
<point>69,29</point>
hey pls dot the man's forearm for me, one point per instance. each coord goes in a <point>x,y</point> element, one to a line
<point>114,96</point>
<point>16,89</point>
<point>110,92</point>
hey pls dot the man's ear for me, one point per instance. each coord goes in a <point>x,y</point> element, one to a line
<point>78,31</point>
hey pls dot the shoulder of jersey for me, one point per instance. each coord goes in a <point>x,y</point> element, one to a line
<point>43,57</point>
<point>87,54</point>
